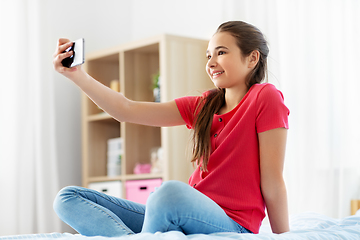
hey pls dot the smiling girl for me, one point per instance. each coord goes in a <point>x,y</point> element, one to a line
<point>239,139</point>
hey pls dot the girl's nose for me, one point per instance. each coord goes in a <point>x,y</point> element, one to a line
<point>211,63</point>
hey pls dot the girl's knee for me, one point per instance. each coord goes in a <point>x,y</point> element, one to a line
<point>62,198</point>
<point>167,203</point>
<point>172,186</point>
<point>168,194</point>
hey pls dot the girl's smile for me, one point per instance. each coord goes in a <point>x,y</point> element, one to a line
<point>216,74</point>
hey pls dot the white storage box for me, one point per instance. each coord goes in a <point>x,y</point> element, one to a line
<point>112,188</point>
<point>114,163</point>
<point>115,144</point>
<point>114,156</point>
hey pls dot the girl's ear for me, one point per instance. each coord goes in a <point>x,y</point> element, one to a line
<point>253,58</point>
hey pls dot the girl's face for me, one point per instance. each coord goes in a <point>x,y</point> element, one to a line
<point>226,66</point>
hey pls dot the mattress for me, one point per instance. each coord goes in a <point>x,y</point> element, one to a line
<point>302,226</point>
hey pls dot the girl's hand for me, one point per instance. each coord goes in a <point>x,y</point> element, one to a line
<point>59,55</point>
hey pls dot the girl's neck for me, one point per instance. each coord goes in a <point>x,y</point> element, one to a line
<point>232,98</point>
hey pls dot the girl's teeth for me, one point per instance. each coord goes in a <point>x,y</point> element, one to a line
<point>217,73</point>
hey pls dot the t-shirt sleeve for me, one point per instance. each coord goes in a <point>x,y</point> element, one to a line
<point>187,107</point>
<point>271,110</point>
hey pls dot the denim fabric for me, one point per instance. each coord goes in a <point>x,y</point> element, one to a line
<point>173,206</point>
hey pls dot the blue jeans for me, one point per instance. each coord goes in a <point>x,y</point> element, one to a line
<point>174,206</point>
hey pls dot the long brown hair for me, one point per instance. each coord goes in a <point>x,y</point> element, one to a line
<point>248,39</point>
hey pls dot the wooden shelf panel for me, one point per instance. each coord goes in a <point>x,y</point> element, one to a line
<point>101,117</point>
<point>125,177</point>
<point>105,179</point>
<point>143,176</point>
<point>355,206</point>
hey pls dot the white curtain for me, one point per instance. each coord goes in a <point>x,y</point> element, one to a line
<point>28,176</point>
<point>314,60</point>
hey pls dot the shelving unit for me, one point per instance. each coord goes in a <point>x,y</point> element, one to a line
<point>181,63</point>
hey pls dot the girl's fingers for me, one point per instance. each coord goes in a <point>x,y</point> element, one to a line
<point>62,47</point>
<point>62,56</point>
<point>59,57</point>
<point>62,41</point>
<point>65,55</point>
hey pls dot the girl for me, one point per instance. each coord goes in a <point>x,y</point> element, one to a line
<point>239,133</point>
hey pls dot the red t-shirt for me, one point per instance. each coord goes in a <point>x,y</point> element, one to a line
<point>233,177</point>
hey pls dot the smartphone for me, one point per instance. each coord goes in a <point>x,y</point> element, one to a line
<point>78,57</point>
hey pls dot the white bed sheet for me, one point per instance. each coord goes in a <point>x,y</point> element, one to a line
<point>303,226</point>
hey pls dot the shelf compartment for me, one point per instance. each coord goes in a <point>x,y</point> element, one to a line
<point>104,69</point>
<point>99,132</point>
<point>139,141</point>
<point>139,67</point>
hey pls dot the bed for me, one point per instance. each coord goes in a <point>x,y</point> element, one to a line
<point>303,226</point>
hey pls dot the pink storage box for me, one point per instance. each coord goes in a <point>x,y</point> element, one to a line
<point>139,190</point>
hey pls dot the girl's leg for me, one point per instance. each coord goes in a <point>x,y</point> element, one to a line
<point>177,206</point>
<point>93,213</point>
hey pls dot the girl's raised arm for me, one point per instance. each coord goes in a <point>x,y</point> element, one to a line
<point>114,103</point>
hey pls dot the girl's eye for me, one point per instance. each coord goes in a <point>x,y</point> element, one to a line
<point>208,56</point>
<point>221,52</point>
